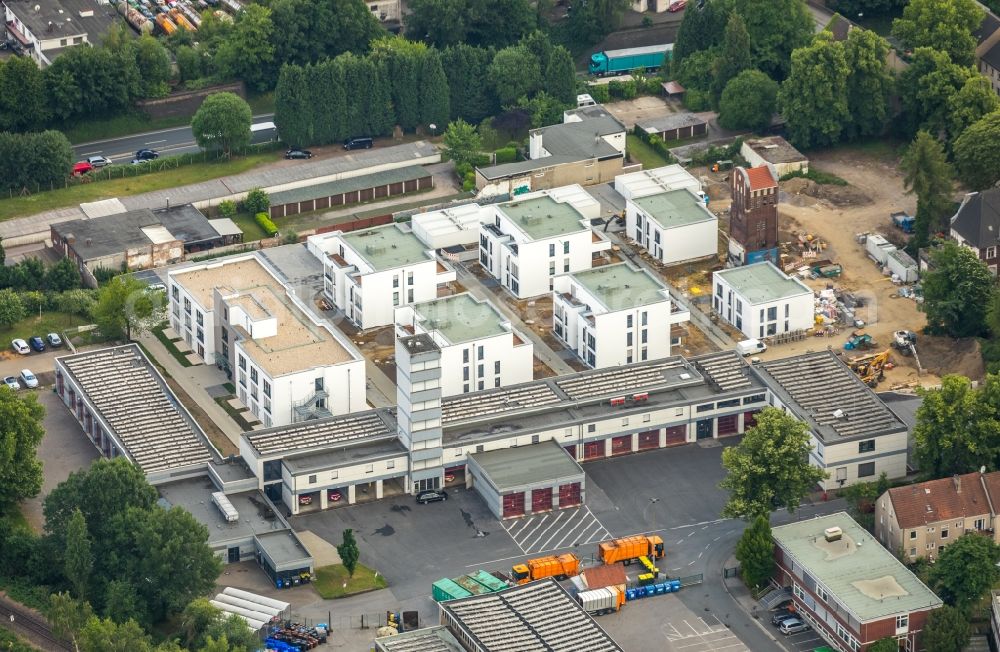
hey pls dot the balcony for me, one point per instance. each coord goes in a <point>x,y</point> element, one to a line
<point>445,273</point>
<point>599,241</point>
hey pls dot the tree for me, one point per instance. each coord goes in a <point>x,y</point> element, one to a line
<point>233,629</point>
<point>20,433</point>
<point>946,630</point>
<point>190,63</point>
<point>887,644</point>
<point>733,59</point>
<point>257,201</point>
<point>868,83</point>
<point>62,276</point>
<point>543,108</point>
<point>700,31</point>
<point>514,73</point>
<point>34,161</point>
<point>462,143</point>
<point>591,21</point>
<point>348,551</point>
<point>154,62</point>
<point>441,23</point>
<point>247,52</point>
<point>946,26</point>
<point>769,468</point>
<point>196,618</point>
<point>814,97</point>
<point>122,603</point>
<point>11,308</point>
<point>466,67</point>
<point>755,552</point>
<point>970,104</point>
<point>748,101</point>
<point>928,176</point>
<point>851,8</point>
<point>68,616</point>
<point>124,308</point>
<point>977,153</point>
<point>293,108</point>
<point>308,32</point>
<point>108,636</point>
<point>776,28</point>
<point>861,498</point>
<point>434,103</point>
<point>966,570</point>
<point>957,290</point>
<point>560,76</point>
<point>79,560</point>
<point>954,432</point>
<point>222,123</point>
<point>23,104</point>
<point>76,302</point>
<point>926,88</point>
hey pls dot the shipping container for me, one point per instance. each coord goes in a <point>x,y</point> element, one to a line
<point>471,585</point>
<point>488,580</point>
<point>617,62</point>
<point>446,589</point>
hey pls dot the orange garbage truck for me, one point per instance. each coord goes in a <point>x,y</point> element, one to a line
<point>557,566</point>
<point>629,549</point>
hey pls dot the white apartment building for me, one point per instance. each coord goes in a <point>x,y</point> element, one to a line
<point>370,273</point>
<point>614,315</point>
<point>674,226</point>
<point>286,366</point>
<point>539,236</point>
<point>479,348</point>
<point>760,300</point>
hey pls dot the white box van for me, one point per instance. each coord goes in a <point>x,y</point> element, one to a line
<point>750,347</point>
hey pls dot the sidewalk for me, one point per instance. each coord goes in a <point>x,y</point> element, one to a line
<point>194,380</point>
<point>742,597</point>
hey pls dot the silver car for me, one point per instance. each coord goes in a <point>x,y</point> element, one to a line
<point>99,161</point>
<point>11,381</point>
<point>792,626</point>
<point>29,379</point>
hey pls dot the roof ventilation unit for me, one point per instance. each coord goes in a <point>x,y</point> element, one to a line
<point>226,507</point>
<point>833,533</point>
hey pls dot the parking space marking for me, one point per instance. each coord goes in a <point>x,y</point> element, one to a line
<point>555,530</point>
<point>704,636</point>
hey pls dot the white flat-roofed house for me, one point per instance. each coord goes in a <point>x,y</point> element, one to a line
<point>540,235</point>
<point>479,349</point>
<point>674,226</point>
<point>286,366</point>
<point>370,273</point>
<point>760,300</point>
<point>614,315</point>
<point>656,180</point>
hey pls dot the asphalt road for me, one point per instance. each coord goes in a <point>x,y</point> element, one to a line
<point>178,140</point>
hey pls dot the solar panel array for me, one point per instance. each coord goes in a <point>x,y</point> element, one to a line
<point>822,386</point>
<point>483,404</point>
<point>143,415</point>
<point>320,432</point>
<point>618,380</point>
<point>536,616</point>
<point>724,369</point>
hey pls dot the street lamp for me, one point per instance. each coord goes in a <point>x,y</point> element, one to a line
<point>433,129</point>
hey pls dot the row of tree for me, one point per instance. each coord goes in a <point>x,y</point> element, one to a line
<point>412,85</point>
<point>34,160</point>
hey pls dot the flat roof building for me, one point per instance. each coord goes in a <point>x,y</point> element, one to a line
<point>776,153</point>
<point>449,227</point>
<point>674,226</point>
<point>656,180</point>
<point>44,30</point>
<point>761,301</point>
<point>614,314</point>
<point>427,639</point>
<point>535,616</point>
<point>847,586</point>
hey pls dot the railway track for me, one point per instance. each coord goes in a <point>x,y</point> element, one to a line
<point>15,617</point>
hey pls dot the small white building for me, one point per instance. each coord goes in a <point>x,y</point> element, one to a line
<point>760,300</point>
<point>370,273</point>
<point>450,227</point>
<point>286,366</point>
<point>479,348</point>
<point>538,236</point>
<point>614,315</point>
<point>673,226</point>
<point>775,153</point>
<point>656,180</point>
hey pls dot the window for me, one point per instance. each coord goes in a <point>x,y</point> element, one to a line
<point>409,296</point>
<point>772,313</point>
<point>552,267</point>
<point>465,356</point>
<point>175,292</point>
<point>991,253</point>
<point>644,318</point>
<point>534,439</point>
<point>312,479</point>
<point>480,373</point>
<point>679,412</point>
<point>628,321</point>
<point>267,389</point>
<point>644,336</point>
<point>318,384</point>
<point>369,468</point>
<point>866,446</point>
<point>591,427</point>
<point>243,362</point>
<point>823,595</point>
<point>479,448</point>
<point>479,353</point>
<point>465,373</point>
<point>334,475</point>
<point>552,251</point>
<point>756,398</point>
<point>409,278</point>
<point>253,374</point>
<point>645,418</point>
<point>496,366</point>
<point>395,281</point>
<point>391,464</point>
<point>706,407</point>
<point>913,534</point>
<point>866,470</point>
<point>199,318</point>
<point>913,552</point>
<point>566,247</point>
<point>395,298</point>
<point>566,265</point>
<point>980,524</point>
<point>628,339</point>
<point>496,381</point>
<point>944,533</point>
<point>733,402</point>
<point>482,386</point>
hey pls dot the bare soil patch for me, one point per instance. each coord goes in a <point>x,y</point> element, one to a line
<point>944,355</point>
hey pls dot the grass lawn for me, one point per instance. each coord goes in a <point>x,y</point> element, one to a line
<point>169,345</point>
<point>11,642</point>
<point>171,178</point>
<point>123,125</point>
<point>330,581</point>
<point>233,413</point>
<point>251,230</point>
<point>263,103</point>
<point>51,322</point>
<point>643,153</point>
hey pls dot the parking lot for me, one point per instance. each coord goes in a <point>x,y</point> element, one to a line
<point>667,623</point>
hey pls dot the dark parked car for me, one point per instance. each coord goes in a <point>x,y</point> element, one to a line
<point>781,615</point>
<point>146,155</point>
<point>298,153</point>
<point>37,343</point>
<point>359,142</point>
<point>431,496</point>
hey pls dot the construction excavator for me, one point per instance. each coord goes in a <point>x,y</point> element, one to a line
<point>870,368</point>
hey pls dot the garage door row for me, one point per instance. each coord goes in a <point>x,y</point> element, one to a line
<point>569,495</point>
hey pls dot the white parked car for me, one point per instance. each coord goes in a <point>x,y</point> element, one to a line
<point>20,346</point>
<point>54,339</point>
<point>99,161</point>
<point>11,381</point>
<point>29,379</point>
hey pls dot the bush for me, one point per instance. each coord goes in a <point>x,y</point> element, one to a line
<point>506,154</point>
<point>600,93</point>
<point>227,208</point>
<point>34,160</point>
<point>463,169</point>
<point>264,222</point>
<point>697,100</point>
<point>469,182</point>
<point>257,201</point>
<point>625,90</point>
<point>818,176</point>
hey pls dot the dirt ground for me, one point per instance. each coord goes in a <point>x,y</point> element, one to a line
<point>834,215</point>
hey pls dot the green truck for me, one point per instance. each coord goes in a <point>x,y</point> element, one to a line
<point>621,62</point>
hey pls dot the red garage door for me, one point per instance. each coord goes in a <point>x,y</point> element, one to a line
<point>541,500</point>
<point>593,449</point>
<point>513,505</point>
<point>571,449</point>
<point>649,439</point>
<point>621,445</point>
<point>749,420</point>
<point>569,494</point>
<point>676,435</point>
<point>729,425</point>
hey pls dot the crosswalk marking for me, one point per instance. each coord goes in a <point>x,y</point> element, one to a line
<point>556,530</point>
